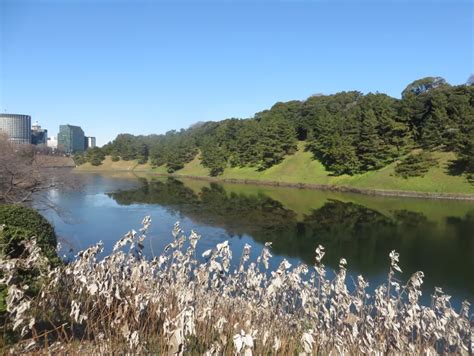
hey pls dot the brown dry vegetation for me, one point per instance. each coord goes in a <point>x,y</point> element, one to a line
<point>24,173</point>
<point>178,303</point>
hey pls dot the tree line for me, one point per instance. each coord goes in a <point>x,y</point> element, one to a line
<point>349,132</point>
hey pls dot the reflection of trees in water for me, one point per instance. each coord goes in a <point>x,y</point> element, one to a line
<point>343,228</point>
<point>237,213</point>
<point>362,235</point>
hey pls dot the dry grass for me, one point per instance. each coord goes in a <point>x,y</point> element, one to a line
<point>176,303</point>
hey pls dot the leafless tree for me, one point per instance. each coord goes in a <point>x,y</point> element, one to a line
<point>24,173</point>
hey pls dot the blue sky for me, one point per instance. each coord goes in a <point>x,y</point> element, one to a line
<point>151,66</point>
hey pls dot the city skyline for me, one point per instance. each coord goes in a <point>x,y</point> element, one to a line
<point>158,66</point>
<point>20,129</point>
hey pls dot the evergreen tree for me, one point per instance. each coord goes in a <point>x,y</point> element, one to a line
<point>114,156</point>
<point>142,153</point>
<point>213,157</point>
<point>247,151</point>
<point>341,155</point>
<point>436,122</point>
<point>277,140</point>
<point>348,132</point>
<point>370,147</point>
<point>79,159</point>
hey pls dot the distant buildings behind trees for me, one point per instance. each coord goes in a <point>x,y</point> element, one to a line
<point>19,130</point>
<point>39,136</point>
<point>89,142</point>
<point>17,127</point>
<point>71,138</point>
<point>52,143</point>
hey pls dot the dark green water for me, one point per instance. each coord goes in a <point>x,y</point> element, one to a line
<point>435,236</point>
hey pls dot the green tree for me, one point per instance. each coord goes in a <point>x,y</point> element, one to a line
<point>436,121</point>
<point>213,157</point>
<point>370,147</point>
<point>423,85</point>
<point>79,159</point>
<point>114,156</point>
<point>374,130</point>
<point>277,139</point>
<point>95,156</point>
<point>142,153</point>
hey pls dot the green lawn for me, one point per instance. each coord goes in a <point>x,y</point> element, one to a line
<point>302,168</point>
<point>109,165</point>
<point>194,168</point>
<point>436,180</point>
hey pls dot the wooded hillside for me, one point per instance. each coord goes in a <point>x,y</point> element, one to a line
<point>348,132</point>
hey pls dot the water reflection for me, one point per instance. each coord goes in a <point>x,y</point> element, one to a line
<point>364,231</point>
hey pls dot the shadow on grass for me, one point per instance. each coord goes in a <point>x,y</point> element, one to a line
<point>460,167</point>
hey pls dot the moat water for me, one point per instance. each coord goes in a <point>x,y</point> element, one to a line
<point>434,236</point>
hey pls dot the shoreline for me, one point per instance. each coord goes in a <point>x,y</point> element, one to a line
<point>327,187</point>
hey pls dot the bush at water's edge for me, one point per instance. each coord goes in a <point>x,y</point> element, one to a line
<point>23,223</point>
<point>19,224</point>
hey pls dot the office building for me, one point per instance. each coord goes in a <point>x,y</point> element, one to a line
<point>16,127</point>
<point>52,143</point>
<point>89,142</point>
<point>70,139</point>
<point>39,136</point>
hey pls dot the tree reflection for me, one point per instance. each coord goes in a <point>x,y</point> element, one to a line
<point>362,235</point>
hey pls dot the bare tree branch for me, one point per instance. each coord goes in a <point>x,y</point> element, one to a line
<point>25,173</point>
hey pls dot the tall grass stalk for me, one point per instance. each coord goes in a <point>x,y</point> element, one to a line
<point>176,303</point>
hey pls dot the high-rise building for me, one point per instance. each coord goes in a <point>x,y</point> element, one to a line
<point>89,142</point>
<point>16,127</point>
<point>70,139</point>
<point>39,136</point>
<point>52,143</point>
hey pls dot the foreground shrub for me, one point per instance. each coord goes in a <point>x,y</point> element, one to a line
<point>18,225</point>
<point>22,223</point>
<point>175,304</point>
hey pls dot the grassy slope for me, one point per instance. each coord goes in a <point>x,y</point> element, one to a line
<point>302,168</point>
<point>108,165</point>
<point>194,168</point>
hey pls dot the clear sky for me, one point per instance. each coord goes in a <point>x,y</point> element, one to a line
<point>151,66</point>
